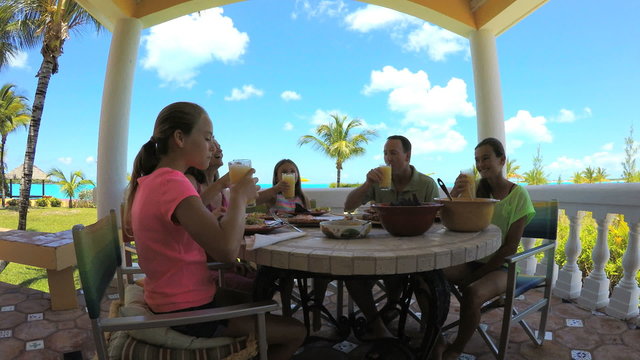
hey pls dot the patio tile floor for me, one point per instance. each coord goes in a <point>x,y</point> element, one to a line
<point>69,332</point>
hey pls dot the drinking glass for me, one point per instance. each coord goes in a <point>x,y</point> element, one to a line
<point>237,169</point>
<point>470,190</point>
<point>291,180</point>
<point>385,184</point>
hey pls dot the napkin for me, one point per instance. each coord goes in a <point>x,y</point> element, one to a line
<point>266,240</point>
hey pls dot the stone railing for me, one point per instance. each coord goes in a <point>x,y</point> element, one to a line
<point>603,201</point>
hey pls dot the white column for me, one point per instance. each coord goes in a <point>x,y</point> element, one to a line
<point>114,117</point>
<point>486,76</point>
<point>529,266</point>
<point>595,289</point>
<point>624,300</point>
<point>570,277</point>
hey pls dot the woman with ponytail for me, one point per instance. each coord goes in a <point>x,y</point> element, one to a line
<point>175,232</point>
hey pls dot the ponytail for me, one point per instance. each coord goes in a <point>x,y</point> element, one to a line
<point>144,164</point>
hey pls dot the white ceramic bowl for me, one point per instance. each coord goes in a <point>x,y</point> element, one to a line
<point>345,229</point>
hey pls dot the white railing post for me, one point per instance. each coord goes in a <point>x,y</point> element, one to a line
<point>570,277</point>
<point>624,300</point>
<point>595,290</point>
<point>529,266</point>
<point>541,267</point>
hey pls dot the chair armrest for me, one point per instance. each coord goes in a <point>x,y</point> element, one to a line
<point>188,317</point>
<point>219,265</point>
<point>529,253</point>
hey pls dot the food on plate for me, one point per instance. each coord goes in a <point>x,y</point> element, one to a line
<point>254,219</point>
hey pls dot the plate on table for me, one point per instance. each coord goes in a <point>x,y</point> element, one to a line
<point>310,220</point>
<point>262,228</point>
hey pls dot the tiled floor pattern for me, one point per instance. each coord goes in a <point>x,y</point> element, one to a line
<point>29,329</point>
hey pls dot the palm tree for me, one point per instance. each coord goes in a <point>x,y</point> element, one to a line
<point>14,112</point>
<point>512,170</point>
<point>10,41</point>
<point>70,186</point>
<point>536,176</point>
<point>335,141</point>
<point>45,22</point>
<point>578,178</point>
<point>589,175</point>
<point>601,175</point>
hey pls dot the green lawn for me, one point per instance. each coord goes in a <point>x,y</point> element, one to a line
<point>41,219</point>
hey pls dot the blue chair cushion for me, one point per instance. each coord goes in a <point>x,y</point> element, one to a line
<point>525,283</point>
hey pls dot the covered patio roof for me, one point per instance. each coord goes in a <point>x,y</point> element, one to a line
<point>459,16</point>
<point>481,21</point>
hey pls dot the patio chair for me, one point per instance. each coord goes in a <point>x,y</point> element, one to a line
<point>99,258</point>
<point>543,226</point>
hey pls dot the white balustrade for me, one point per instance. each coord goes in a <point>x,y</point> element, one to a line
<point>603,201</point>
<point>595,289</point>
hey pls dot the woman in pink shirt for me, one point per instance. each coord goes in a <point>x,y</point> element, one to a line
<point>174,230</point>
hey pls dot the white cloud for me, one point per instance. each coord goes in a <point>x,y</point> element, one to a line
<point>566,166</point>
<point>90,160</point>
<point>415,34</point>
<point>287,126</point>
<point>178,48</point>
<point>372,17</point>
<point>431,111</point>
<point>524,126</point>
<point>436,41</point>
<point>377,157</point>
<point>569,116</point>
<point>323,8</point>
<point>607,147</point>
<point>321,117</point>
<point>65,160</point>
<point>209,92</point>
<point>289,95</point>
<point>246,92</point>
<point>19,60</point>
<point>566,116</point>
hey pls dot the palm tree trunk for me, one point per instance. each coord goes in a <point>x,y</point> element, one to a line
<point>70,203</point>
<point>2,179</point>
<point>44,76</point>
<point>338,178</point>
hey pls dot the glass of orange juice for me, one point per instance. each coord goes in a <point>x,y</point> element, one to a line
<point>290,179</point>
<point>385,184</point>
<point>470,190</point>
<point>237,169</point>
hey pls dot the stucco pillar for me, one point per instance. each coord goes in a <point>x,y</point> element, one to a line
<point>114,116</point>
<point>486,77</point>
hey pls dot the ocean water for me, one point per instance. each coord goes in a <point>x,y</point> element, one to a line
<point>54,189</point>
<point>49,190</point>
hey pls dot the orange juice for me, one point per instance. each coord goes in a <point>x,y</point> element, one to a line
<point>386,177</point>
<point>291,180</point>
<point>470,190</point>
<point>237,169</point>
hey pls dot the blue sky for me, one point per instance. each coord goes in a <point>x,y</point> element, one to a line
<point>569,77</point>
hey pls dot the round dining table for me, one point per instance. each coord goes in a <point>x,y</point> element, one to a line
<point>376,256</point>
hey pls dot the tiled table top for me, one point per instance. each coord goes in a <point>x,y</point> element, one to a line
<point>379,253</point>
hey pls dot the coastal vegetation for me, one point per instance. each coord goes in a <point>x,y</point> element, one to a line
<point>44,23</point>
<point>14,113</point>
<point>337,141</point>
<point>71,185</point>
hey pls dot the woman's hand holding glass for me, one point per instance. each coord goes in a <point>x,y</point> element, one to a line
<point>460,186</point>
<point>281,187</point>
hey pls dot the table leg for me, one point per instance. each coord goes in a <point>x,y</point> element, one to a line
<point>62,289</point>
<point>434,290</point>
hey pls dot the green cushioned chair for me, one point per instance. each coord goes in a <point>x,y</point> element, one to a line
<point>543,226</point>
<point>98,255</point>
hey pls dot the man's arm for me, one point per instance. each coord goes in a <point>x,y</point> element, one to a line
<point>356,197</point>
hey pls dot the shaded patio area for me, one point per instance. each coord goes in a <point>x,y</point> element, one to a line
<point>29,329</point>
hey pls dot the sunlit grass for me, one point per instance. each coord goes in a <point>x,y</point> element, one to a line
<point>46,220</point>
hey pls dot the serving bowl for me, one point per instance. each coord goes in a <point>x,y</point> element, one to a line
<point>407,220</point>
<point>345,229</point>
<point>465,214</point>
